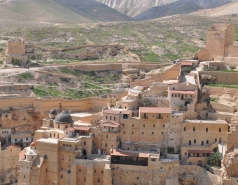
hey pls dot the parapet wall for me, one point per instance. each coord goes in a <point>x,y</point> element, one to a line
<point>223,77</point>
<point>89,104</point>
<point>17,103</point>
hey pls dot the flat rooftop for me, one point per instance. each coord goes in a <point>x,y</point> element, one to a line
<point>48,140</point>
<point>97,157</point>
<point>82,124</point>
<point>206,121</point>
<point>21,133</point>
<point>168,160</point>
<point>81,114</point>
<point>170,82</point>
<point>155,110</point>
<point>56,130</point>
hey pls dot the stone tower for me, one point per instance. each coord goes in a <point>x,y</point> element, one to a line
<point>219,38</point>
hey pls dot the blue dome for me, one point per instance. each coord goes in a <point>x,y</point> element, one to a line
<point>63,118</point>
<point>53,112</point>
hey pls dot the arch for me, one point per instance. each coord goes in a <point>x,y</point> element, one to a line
<point>190,163</point>
<point>199,163</point>
<point>84,152</point>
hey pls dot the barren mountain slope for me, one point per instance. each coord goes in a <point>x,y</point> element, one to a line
<point>134,7</point>
<point>57,12</point>
<point>180,7</point>
<point>228,9</point>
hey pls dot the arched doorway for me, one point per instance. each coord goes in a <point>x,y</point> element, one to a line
<point>84,152</point>
<point>199,163</point>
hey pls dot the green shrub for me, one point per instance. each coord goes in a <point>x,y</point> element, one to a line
<point>26,75</point>
<point>214,99</point>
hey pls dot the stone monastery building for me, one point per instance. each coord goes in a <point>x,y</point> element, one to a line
<point>161,132</point>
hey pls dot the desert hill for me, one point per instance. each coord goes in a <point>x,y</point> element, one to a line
<point>58,11</point>
<point>134,7</point>
<point>228,9</point>
<point>179,7</point>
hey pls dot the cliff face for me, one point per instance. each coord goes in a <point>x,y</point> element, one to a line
<point>230,165</point>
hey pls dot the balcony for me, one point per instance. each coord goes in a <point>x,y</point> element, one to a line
<point>127,162</point>
<point>136,161</point>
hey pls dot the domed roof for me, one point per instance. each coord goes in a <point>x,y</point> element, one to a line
<point>53,112</point>
<point>31,152</point>
<point>104,108</point>
<point>63,117</point>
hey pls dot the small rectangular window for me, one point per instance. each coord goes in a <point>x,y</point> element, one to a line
<point>152,133</point>
<point>194,129</point>
<point>219,129</point>
<point>206,129</point>
<point>184,128</point>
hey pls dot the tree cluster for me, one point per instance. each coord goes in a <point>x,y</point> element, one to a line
<point>16,62</point>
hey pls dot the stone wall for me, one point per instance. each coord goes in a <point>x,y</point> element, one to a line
<point>191,174</point>
<point>222,77</point>
<point>219,91</point>
<point>93,104</point>
<point>19,103</point>
<point>141,82</point>
<point>104,66</point>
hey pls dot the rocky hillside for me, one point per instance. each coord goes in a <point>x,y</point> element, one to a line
<point>179,7</point>
<point>134,7</point>
<point>228,9</point>
<point>58,11</point>
<point>159,40</point>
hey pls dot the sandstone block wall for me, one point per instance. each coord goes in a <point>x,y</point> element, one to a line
<point>223,77</point>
